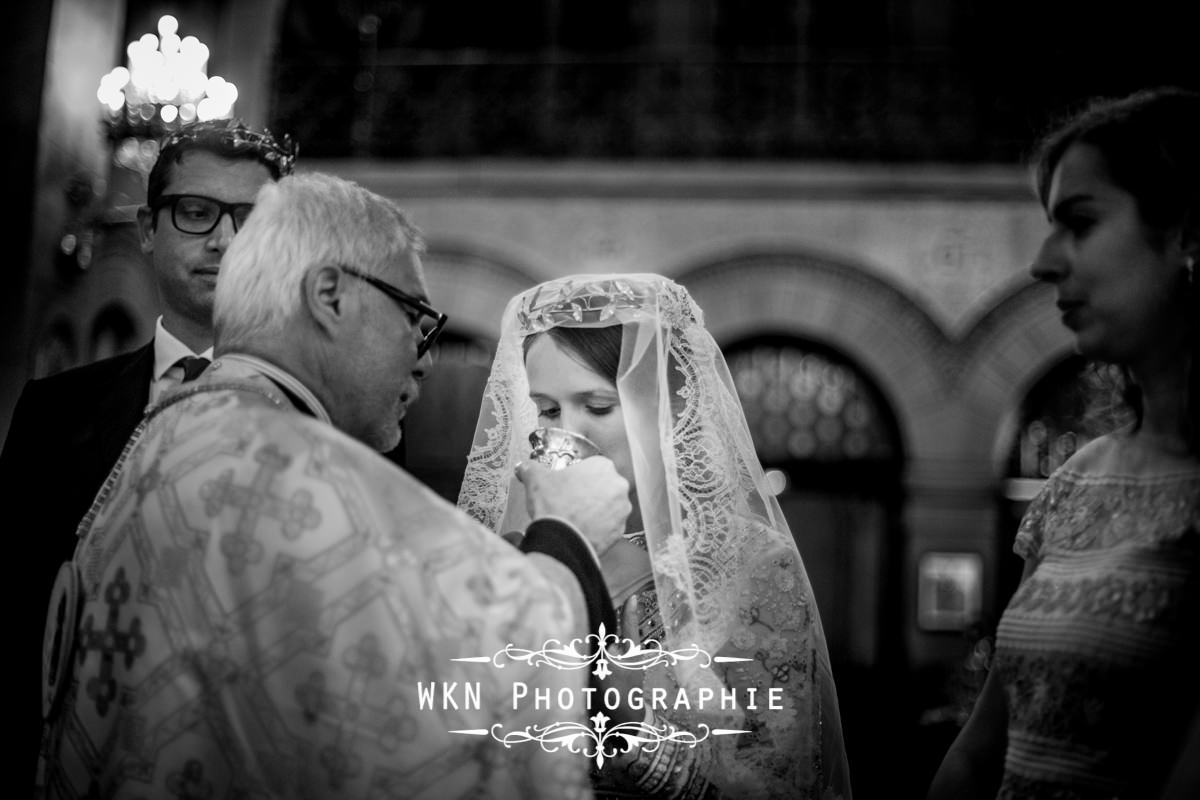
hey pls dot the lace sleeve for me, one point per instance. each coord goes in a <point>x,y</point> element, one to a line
<point>1031,533</point>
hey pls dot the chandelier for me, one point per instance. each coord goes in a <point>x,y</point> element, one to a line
<point>164,86</point>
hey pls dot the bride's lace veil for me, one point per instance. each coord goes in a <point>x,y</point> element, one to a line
<point>727,571</point>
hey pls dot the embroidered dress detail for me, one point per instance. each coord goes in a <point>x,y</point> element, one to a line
<point>1097,649</point>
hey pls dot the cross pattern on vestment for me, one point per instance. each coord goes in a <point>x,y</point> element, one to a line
<point>367,664</point>
<point>110,642</point>
<point>295,514</point>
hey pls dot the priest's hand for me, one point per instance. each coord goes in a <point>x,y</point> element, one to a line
<point>589,495</point>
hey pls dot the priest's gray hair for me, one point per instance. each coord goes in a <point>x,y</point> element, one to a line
<point>301,221</point>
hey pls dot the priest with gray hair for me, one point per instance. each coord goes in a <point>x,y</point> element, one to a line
<point>262,605</point>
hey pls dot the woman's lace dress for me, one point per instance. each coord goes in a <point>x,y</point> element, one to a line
<point>1097,650</point>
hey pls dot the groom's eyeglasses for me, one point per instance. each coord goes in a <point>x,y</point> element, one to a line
<point>200,215</point>
<point>426,317</point>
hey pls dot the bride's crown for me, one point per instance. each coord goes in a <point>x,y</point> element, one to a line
<point>598,300</point>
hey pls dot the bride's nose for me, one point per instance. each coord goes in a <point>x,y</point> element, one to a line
<point>574,421</point>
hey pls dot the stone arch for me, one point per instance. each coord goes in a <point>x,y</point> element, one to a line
<point>1003,355</point>
<point>892,339</point>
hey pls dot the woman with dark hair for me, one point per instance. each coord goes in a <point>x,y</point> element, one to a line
<point>1093,688</point>
<point>708,570</point>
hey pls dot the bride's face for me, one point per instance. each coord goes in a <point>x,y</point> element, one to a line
<point>572,396</point>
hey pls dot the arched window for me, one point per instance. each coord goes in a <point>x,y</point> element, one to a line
<point>808,406</point>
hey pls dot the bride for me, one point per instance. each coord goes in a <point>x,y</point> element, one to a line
<point>708,560</point>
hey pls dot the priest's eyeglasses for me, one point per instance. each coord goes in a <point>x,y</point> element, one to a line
<point>426,317</point>
<point>199,215</point>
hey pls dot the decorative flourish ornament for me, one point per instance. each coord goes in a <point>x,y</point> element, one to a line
<point>609,649</point>
<point>599,742</point>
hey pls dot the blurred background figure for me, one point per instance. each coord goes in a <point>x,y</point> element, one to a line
<point>841,187</point>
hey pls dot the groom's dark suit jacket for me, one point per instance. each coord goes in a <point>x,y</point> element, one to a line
<point>66,433</point>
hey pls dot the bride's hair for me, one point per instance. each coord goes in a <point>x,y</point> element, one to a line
<point>598,349</point>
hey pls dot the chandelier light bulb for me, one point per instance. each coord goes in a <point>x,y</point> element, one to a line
<point>206,109</point>
<point>165,84</point>
<point>191,87</point>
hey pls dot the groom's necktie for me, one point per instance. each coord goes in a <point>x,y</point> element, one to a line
<point>192,366</point>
